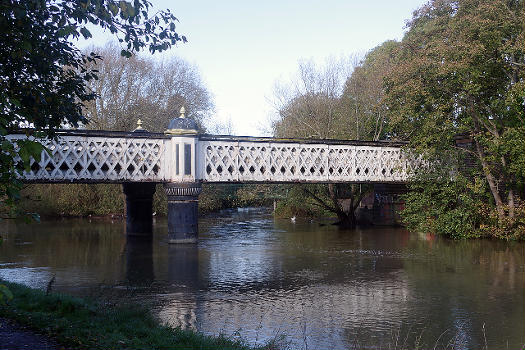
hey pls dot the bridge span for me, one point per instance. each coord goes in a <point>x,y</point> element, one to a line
<point>116,157</point>
<point>182,159</point>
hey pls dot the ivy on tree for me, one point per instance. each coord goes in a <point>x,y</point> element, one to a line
<point>43,75</point>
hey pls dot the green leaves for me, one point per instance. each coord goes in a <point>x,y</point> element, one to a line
<point>26,45</point>
<point>44,75</point>
<point>126,53</point>
<point>28,149</point>
<point>113,8</point>
<point>456,73</point>
<point>449,208</point>
<point>126,10</point>
<point>5,294</point>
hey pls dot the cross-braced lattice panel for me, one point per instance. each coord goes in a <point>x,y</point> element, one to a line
<point>393,165</point>
<point>263,161</point>
<point>312,163</point>
<point>254,161</point>
<point>341,165</point>
<point>220,161</point>
<point>411,164</point>
<point>366,164</point>
<point>284,162</point>
<point>98,159</point>
<point>144,159</point>
<point>226,161</point>
<point>235,161</point>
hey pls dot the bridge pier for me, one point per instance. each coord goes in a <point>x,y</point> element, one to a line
<point>183,205</point>
<point>139,208</point>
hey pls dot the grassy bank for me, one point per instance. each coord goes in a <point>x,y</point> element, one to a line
<point>80,324</point>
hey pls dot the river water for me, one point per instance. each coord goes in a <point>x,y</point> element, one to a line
<point>303,284</point>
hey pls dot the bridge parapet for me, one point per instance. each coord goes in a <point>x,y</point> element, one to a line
<point>223,159</point>
<point>91,156</point>
<point>78,156</point>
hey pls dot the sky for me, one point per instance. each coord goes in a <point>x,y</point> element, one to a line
<point>242,48</point>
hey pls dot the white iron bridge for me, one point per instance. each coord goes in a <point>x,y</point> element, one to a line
<point>83,156</point>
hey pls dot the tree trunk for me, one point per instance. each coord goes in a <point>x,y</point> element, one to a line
<point>343,204</point>
<point>346,207</point>
<point>491,180</point>
<point>492,183</point>
<point>347,220</point>
<point>511,205</point>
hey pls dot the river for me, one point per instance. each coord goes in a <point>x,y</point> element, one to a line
<point>303,284</point>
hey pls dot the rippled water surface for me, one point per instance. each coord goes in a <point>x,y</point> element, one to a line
<point>309,285</point>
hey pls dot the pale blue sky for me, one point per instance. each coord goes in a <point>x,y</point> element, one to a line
<point>243,47</point>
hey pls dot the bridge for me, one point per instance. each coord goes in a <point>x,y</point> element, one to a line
<point>182,159</point>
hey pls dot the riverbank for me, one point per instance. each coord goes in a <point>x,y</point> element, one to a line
<point>82,324</point>
<point>106,200</point>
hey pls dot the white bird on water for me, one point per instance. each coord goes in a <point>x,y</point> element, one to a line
<point>292,219</point>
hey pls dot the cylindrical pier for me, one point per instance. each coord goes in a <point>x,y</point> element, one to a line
<point>183,205</point>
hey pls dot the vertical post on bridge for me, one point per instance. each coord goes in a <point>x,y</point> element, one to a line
<point>184,189</point>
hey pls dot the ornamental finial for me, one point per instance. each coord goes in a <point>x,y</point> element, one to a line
<point>182,111</point>
<point>139,125</point>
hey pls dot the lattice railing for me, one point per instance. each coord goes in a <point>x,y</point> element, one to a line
<point>122,157</point>
<point>98,159</point>
<point>245,161</point>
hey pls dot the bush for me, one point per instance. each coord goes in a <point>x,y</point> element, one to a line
<point>296,203</point>
<point>108,199</point>
<point>458,209</point>
<point>72,199</point>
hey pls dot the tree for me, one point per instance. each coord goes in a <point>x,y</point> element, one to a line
<point>460,69</point>
<point>363,94</point>
<point>312,106</point>
<point>146,89</point>
<point>342,100</point>
<point>43,75</point>
<point>128,89</point>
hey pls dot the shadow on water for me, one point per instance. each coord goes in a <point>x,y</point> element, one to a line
<point>321,286</point>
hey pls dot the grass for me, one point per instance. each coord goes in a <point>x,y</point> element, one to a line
<point>77,323</point>
<point>81,324</point>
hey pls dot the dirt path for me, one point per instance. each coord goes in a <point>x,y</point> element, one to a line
<point>14,336</point>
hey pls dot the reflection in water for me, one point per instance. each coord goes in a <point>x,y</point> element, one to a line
<point>79,253</point>
<point>139,261</point>
<point>183,266</point>
<point>180,306</point>
<point>319,286</point>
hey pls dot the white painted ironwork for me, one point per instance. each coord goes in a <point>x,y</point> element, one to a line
<point>98,159</point>
<point>180,158</point>
<point>114,157</point>
<point>244,161</point>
